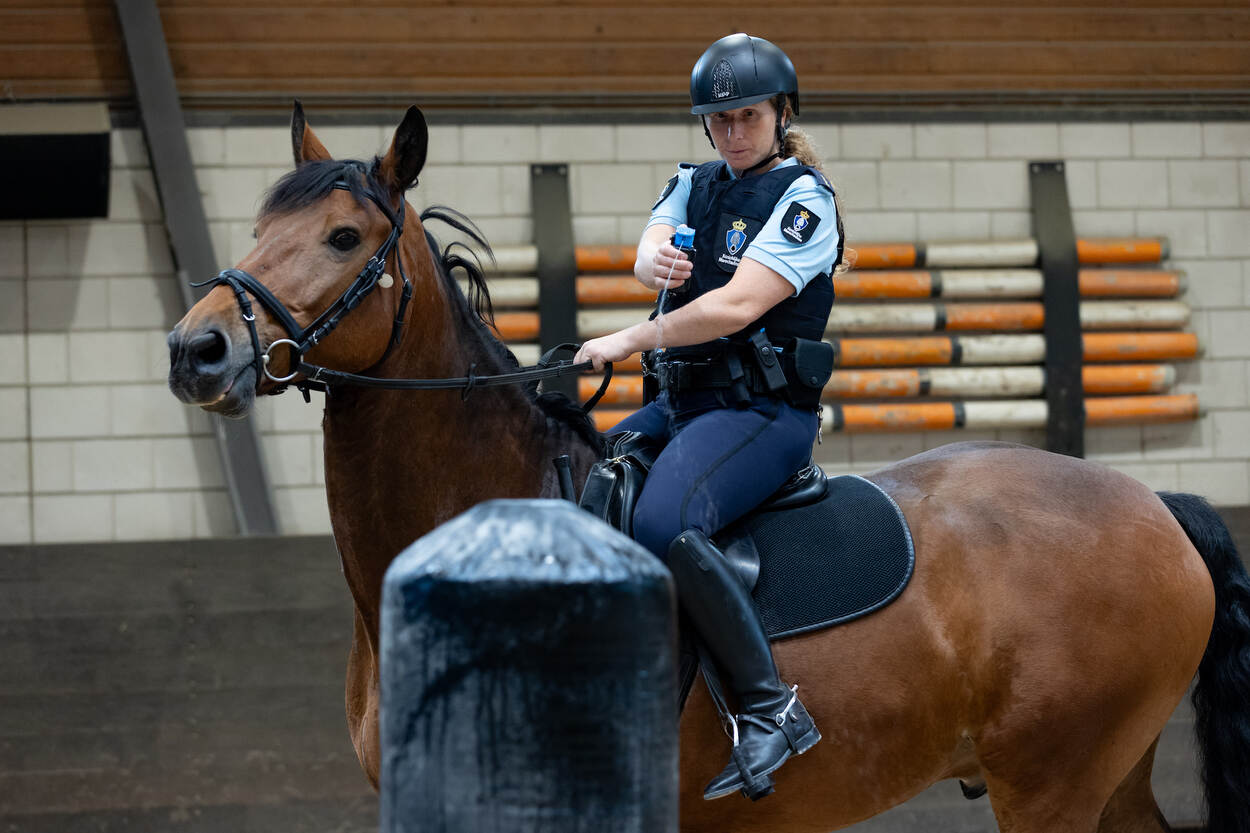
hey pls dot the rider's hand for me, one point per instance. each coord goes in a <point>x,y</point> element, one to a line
<point>609,348</point>
<point>668,257</point>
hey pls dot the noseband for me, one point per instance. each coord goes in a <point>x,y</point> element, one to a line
<point>303,339</point>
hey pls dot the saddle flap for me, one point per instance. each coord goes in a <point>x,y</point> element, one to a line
<point>743,557</point>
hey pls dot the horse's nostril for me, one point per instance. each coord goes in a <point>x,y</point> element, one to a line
<point>207,349</point>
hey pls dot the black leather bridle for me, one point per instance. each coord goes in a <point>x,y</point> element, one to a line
<point>303,339</point>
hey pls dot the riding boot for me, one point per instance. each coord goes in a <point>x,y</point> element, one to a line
<point>772,725</point>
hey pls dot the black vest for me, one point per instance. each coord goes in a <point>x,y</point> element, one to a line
<point>727,213</point>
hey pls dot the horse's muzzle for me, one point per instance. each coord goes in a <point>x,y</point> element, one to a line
<point>206,370</point>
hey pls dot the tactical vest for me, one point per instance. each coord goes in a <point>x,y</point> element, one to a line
<point>727,213</point>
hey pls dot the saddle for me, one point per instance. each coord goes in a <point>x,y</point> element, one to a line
<point>818,552</point>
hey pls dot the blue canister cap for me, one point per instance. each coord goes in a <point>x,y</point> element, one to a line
<point>683,238</point>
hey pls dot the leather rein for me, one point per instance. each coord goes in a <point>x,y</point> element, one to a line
<point>303,339</point>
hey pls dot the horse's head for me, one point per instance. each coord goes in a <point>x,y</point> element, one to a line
<point>327,258</point>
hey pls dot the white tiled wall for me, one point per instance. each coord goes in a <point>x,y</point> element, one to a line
<point>93,447</point>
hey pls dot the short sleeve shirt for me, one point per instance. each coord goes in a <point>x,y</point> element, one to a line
<point>797,262</point>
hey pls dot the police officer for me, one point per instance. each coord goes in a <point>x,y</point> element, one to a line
<point>768,238</point>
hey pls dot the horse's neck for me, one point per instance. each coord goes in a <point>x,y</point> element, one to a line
<point>398,463</point>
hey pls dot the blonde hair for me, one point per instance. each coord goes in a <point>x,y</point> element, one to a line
<point>802,147</point>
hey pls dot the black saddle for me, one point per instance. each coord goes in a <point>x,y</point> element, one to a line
<point>820,551</point>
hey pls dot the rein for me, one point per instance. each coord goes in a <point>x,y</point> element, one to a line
<point>319,378</point>
<point>303,339</point>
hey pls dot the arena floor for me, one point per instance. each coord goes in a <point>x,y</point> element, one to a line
<point>196,687</point>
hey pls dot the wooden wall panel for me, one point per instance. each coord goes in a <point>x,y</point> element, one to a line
<point>598,52</point>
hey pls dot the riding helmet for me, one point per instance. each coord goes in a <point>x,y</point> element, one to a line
<point>739,70</point>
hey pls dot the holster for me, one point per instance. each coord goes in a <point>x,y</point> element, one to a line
<point>613,484</point>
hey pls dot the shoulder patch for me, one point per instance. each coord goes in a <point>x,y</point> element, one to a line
<point>668,189</point>
<point>799,223</point>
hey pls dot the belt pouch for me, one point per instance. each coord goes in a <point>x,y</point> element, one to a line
<point>813,362</point>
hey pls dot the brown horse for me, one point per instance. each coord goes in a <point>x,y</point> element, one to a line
<point>1058,611</point>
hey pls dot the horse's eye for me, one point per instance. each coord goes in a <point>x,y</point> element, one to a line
<point>344,240</point>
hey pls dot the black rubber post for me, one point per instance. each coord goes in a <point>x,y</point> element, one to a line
<point>528,678</point>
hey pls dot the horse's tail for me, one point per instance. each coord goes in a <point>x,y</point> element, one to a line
<point>1222,696</point>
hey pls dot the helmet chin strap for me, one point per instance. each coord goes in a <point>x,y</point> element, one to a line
<point>770,157</point>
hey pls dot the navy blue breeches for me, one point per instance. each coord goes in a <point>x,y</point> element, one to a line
<point>717,463</point>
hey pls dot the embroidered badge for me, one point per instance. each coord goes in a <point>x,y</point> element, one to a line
<point>799,223</point>
<point>668,189</point>
<point>732,239</point>
<point>736,237</point>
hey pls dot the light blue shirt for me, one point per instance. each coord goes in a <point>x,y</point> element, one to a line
<point>797,262</point>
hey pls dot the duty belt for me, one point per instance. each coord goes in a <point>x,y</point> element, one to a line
<point>676,377</point>
<point>797,375</point>
<point>679,376</point>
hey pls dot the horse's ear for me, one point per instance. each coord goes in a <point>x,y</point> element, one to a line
<point>406,156</point>
<point>304,143</point>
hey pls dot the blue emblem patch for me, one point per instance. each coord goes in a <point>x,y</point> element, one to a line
<point>733,237</point>
<point>736,237</point>
<point>799,223</point>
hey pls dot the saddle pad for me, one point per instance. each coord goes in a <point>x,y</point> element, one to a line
<point>831,561</point>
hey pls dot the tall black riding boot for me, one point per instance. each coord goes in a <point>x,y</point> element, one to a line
<point>773,724</point>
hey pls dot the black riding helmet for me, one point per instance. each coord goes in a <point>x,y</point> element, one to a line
<point>740,70</point>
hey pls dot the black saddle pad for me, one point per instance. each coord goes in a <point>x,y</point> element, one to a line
<point>831,561</point>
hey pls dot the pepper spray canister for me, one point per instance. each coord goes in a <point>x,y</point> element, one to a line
<point>683,241</point>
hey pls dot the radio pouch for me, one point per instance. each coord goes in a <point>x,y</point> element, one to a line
<point>813,362</point>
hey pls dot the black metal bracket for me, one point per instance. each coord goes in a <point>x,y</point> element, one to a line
<point>1061,299</point>
<point>557,264</point>
<point>156,92</point>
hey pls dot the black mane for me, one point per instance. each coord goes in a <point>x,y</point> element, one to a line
<point>477,310</point>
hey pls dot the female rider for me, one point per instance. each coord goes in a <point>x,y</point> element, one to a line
<point>768,238</point>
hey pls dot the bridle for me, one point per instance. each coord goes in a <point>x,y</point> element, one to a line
<point>303,339</point>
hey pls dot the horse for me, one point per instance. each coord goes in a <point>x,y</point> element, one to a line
<point>1058,612</point>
